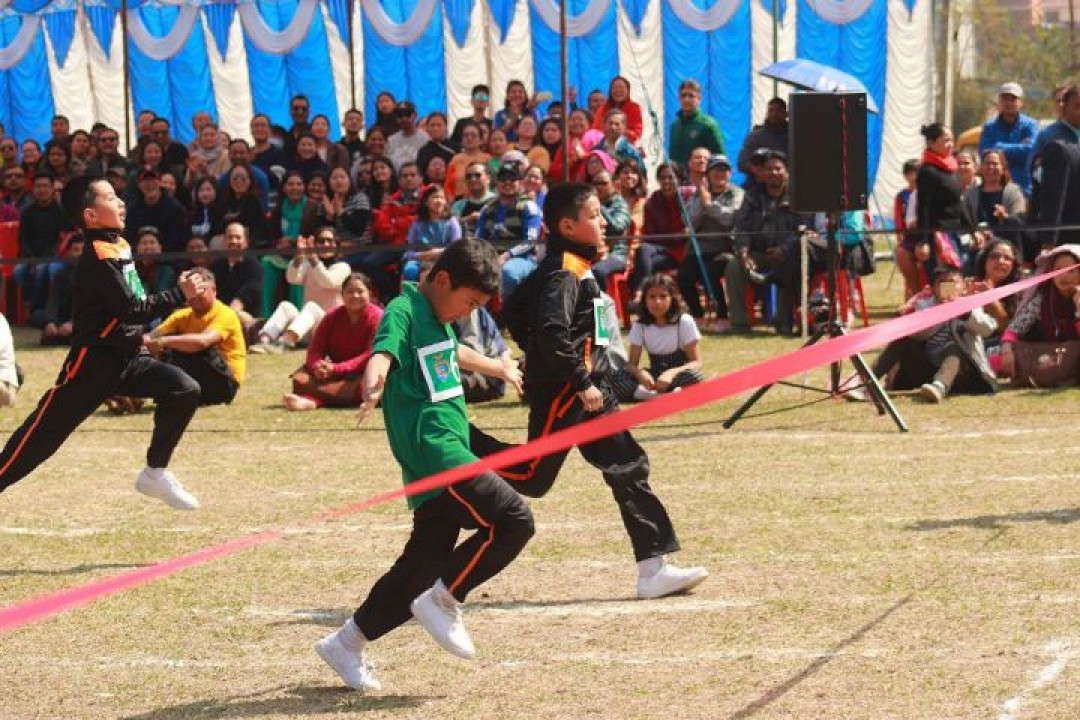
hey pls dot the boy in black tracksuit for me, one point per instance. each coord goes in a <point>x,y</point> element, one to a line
<point>566,382</point>
<point>107,356</point>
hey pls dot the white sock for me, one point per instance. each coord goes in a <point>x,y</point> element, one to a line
<point>650,566</point>
<point>640,393</point>
<point>443,595</point>
<point>154,472</point>
<point>351,637</point>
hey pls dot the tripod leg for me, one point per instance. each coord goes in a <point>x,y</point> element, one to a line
<point>881,399</point>
<point>746,406</point>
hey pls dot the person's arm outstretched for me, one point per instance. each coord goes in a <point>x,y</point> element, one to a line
<point>502,367</point>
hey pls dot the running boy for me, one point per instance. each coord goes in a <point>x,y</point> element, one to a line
<point>567,382</point>
<point>414,370</point>
<point>107,356</point>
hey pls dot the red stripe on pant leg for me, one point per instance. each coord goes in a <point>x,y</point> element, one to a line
<point>554,413</point>
<point>483,548</point>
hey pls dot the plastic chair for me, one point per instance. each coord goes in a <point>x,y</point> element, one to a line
<point>768,303</point>
<point>12,291</point>
<point>844,286</point>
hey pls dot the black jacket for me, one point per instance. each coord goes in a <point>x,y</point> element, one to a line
<point>563,330</point>
<point>109,307</point>
<point>1059,203</point>
<point>940,202</point>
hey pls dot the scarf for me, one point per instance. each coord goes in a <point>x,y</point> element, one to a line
<point>941,162</point>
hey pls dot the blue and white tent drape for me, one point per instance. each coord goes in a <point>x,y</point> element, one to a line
<point>234,58</point>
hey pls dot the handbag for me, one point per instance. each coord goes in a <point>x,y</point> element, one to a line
<point>1046,364</point>
<point>945,250</point>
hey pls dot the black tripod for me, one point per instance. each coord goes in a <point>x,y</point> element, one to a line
<point>833,327</point>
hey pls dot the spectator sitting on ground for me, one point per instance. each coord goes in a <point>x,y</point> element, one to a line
<point>154,274</point>
<point>338,352</point>
<point>771,134</point>
<point>9,371</point>
<point>435,227</point>
<point>238,276</point>
<point>319,273</point>
<point>1012,132</point>
<point>1049,312</point>
<point>206,341</point>
<point>997,264</point>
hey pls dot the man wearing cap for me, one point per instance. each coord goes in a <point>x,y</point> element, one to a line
<point>1013,133</point>
<point>157,209</point>
<point>481,100</point>
<point>771,134</point>
<point>511,221</point>
<point>404,145</point>
<point>118,178</point>
<point>712,212</point>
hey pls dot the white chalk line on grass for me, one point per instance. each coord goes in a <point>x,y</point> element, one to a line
<point>772,655</point>
<point>1063,652</point>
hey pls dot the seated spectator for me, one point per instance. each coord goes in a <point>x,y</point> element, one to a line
<point>390,227</point>
<point>207,216</point>
<point>618,224</point>
<point>435,227</point>
<point>664,231</point>
<point>997,264</point>
<point>334,155</point>
<point>471,153</point>
<point>697,166</point>
<point>384,182</point>
<point>550,139</point>
<point>496,145</point>
<point>479,98</point>
<point>9,371</point>
<point>616,142</point>
<point>319,273</point>
<point>766,247</point>
<point>669,336</point>
<point>479,331</point>
<point>347,210</point>
<point>634,186</point>
<point>403,146</point>
<point>307,161</point>
<point>517,105</point>
<point>57,163</point>
<point>156,209</point>
<point>31,159</point>
<point>577,125</point>
<point>55,320</point>
<point>353,123</point>
<point>385,116</point>
<point>528,130</point>
<point>240,202</point>
<point>477,194</point>
<point>240,153</point>
<point>154,274</point>
<point>287,222</point>
<point>317,190</point>
<point>15,198</point>
<point>206,341</point>
<point>712,212</point>
<point>534,185</point>
<point>907,259</point>
<point>997,203</point>
<point>598,161</point>
<point>338,351</point>
<point>239,277</point>
<point>375,144</point>
<point>212,155</point>
<point>771,134</point>
<point>619,99</point>
<point>437,146</point>
<point>944,358</point>
<point>42,226</point>
<point>1049,312</point>
<point>512,221</point>
<point>198,251</point>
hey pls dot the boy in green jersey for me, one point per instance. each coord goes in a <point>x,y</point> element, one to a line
<point>415,371</point>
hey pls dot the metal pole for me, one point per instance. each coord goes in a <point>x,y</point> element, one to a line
<point>352,55</point>
<point>127,77</point>
<point>565,90</point>
<point>775,44</point>
<point>1073,65</point>
<point>950,64</point>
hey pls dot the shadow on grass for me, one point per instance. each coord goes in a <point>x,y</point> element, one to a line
<point>286,702</point>
<point>77,570</point>
<point>1063,516</point>
<point>778,691</point>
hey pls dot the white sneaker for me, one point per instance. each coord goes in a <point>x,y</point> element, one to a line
<point>670,580</point>
<point>352,666</point>
<point>163,485</point>
<point>442,619</point>
<point>932,392</point>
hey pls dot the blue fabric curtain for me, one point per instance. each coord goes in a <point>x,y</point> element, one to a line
<point>102,18</point>
<point>61,28</point>
<point>720,61</point>
<point>502,12</point>
<point>27,108</point>
<point>180,86</point>
<point>305,70</point>
<point>857,48</point>
<point>635,12</point>
<point>416,73</point>
<point>339,13</point>
<point>219,18</point>
<point>592,60</point>
<point>459,15</point>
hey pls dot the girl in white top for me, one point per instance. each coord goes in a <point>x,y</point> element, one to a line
<point>670,337</point>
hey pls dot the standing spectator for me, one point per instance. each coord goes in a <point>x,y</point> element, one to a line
<point>238,276</point>
<point>480,99</point>
<point>437,146</point>
<point>41,227</point>
<point>1012,132</point>
<point>299,110</point>
<point>616,142</point>
<point>712,212</point>
<point>385,117</point>
<point>766,244</point>
<point>940,201</point>
<point>517,105</point>
<point>907,261</point>
<point>338,352</point>
<point>616,235</point>
<point>434,227</point>
<point>619,99</point>
<point>319,273</point>
<point>1059,203</point>
<point>206,341</point>
<point>353,124</point>
<point>511,221</point>
<point>471,153</point>
<point>477,194</point>
<point>329,152</point>
<point>1066,128</point>
<point>173,154</point>
<point>404,145</point>
<point>692,127</point>
<point>771,134</point>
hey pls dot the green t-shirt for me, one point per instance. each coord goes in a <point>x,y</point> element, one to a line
<point>423,400</point>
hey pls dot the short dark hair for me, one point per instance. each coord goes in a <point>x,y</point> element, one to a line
<point>481,88</point>
<point>910,166</point>
<point>470,263</point>
<point>564,202</point>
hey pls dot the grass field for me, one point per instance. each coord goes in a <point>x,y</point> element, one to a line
<point>856,572</point>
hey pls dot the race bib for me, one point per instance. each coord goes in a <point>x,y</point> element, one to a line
<point>131,276</point>
<point>602,338</point>
<point>438,362</point>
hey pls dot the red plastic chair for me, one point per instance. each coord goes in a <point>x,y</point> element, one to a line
<point>843,293</point>
<point>12,291</point>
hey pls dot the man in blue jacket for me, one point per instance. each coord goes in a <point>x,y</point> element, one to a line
<point>1013,133</point>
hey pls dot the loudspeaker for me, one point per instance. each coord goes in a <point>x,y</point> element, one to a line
<point>827,152</point>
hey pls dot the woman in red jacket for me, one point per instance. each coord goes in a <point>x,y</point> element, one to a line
<point>619,97</point>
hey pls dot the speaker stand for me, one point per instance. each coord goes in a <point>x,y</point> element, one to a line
<point>834,327</point>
